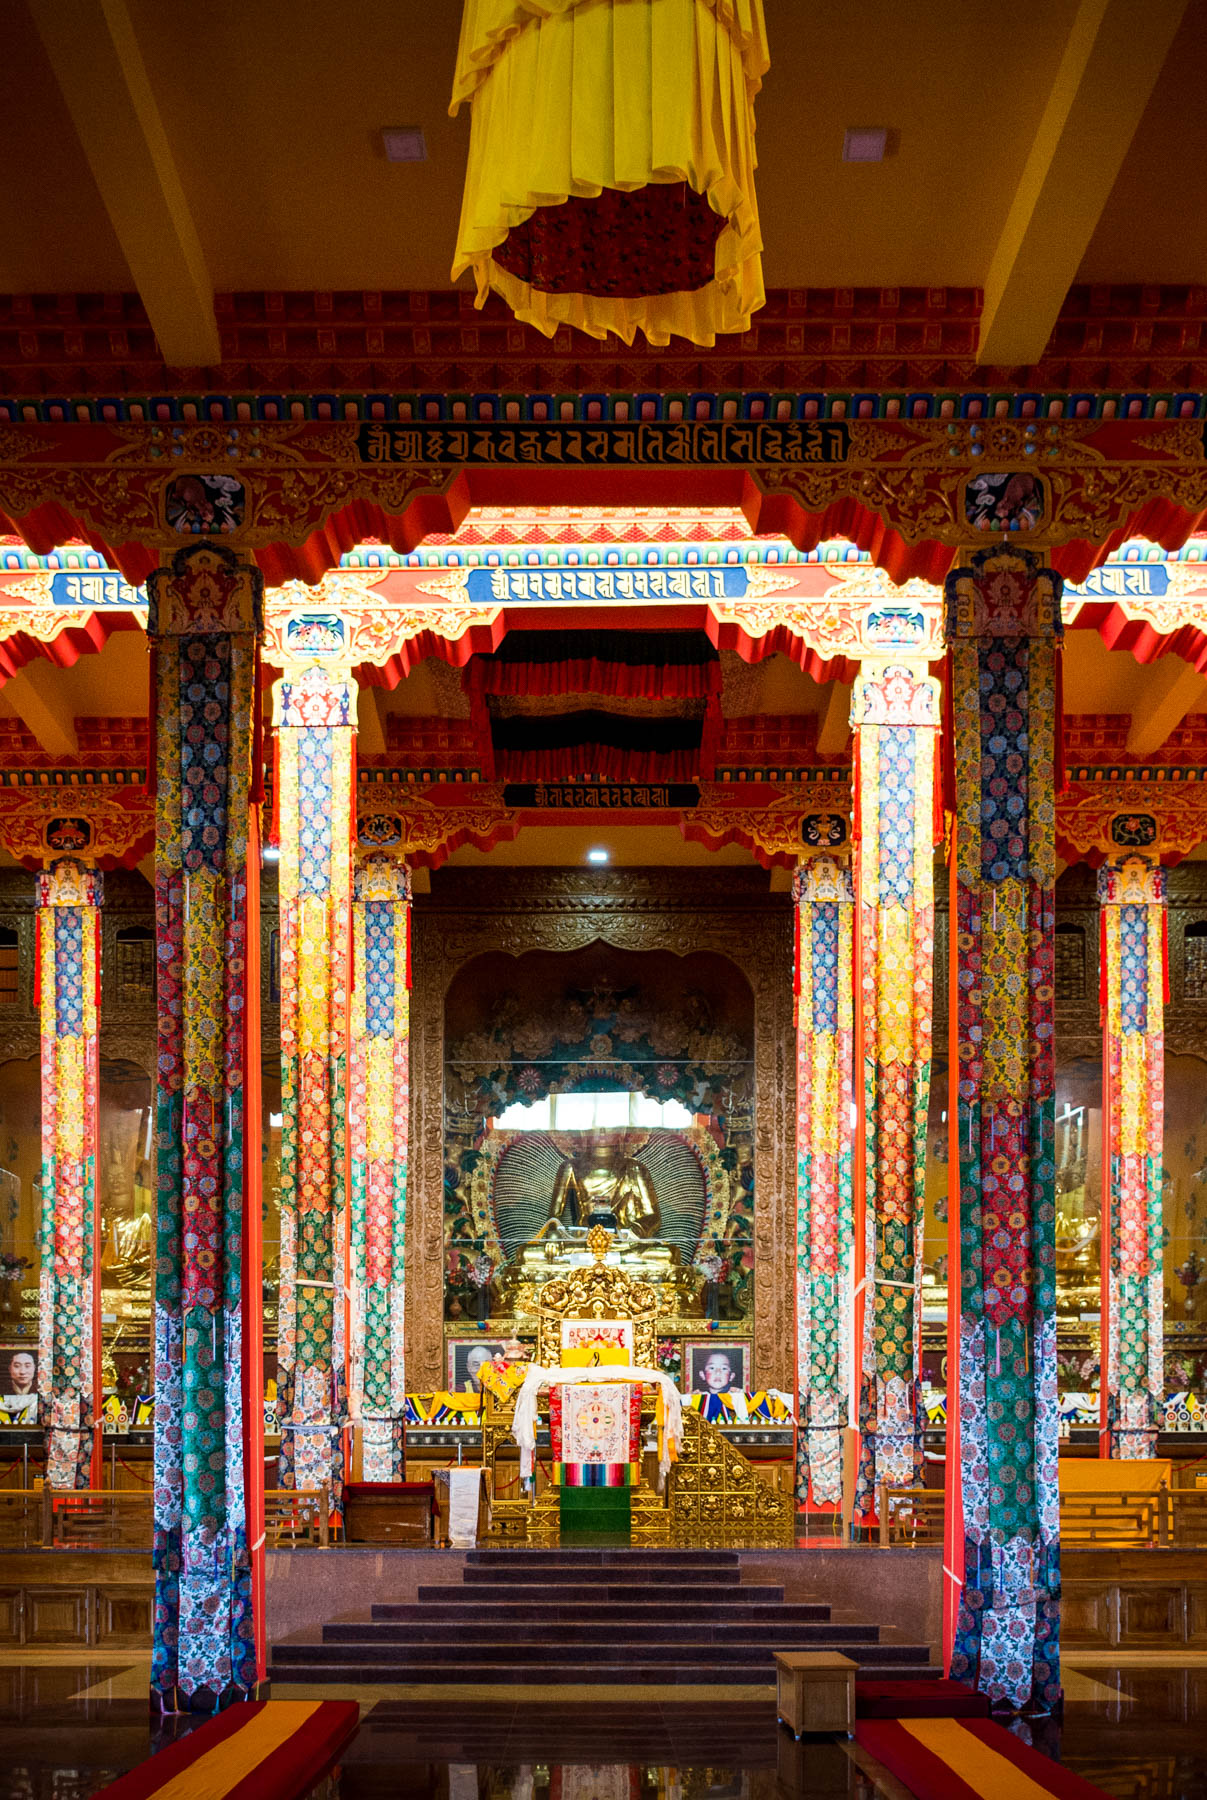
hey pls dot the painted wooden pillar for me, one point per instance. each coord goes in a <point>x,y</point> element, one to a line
<point>69,1351</point>
<point>1002,1557</point>
<point>1131,898</point>
<point>379,1102</point>
<point>316,744</point>
<point>204,626</point>
<point>825,912</point>
<point>895,712</point>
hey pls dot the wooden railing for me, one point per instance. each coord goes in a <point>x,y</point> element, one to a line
<point>910,1515</point>
<point>1169,1519</point>
<point>20,1518</point>
<point>95,1519</point>
<point>296,1517</point>
<point>108,1519</point>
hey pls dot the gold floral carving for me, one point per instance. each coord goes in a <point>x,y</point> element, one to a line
<point>847,622</point>
<point>773,831</point>
<point>1086,811</point>
<point>715,1494</point>
<point>43,624</point>
<point>596,1291</point>
<point>377,630</point>
<point>640,909</point>
<point>429,832</point>
<point>298,474</point>
<point>119,817</point>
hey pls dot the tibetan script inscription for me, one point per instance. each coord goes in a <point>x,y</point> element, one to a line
<point>598,796</point>
<point>610,445</point>
<point>612,584</point>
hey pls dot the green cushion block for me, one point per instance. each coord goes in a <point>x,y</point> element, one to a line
<point>596,1512</point>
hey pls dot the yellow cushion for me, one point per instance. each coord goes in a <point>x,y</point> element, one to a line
<point>595,1356</point>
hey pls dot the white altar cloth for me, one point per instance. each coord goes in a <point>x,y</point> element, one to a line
<point>537,1378</point>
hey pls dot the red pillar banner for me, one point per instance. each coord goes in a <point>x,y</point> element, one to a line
<point>895,711</point>
<point>378,1126</point>
<point>316,738</point>
<point>1002,1549</point>
<point>825,911</point>
<point>1131,895</point>
<point>204,624</point>
<point>69,1386</point>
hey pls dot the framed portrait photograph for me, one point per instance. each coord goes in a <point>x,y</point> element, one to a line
<point>715,1365</point>
<point>465,1359</point>
<point>19,1383</point>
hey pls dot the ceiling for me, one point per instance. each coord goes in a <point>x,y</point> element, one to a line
<point>271,112</point>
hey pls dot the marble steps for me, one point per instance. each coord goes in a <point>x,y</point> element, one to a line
<point>557,1618</point>
<point>569,1593</point>
<point>655,1629</point>
<point>636,1558</point>
<point>647,1575</point>
<point>594,1671</point>
<point>508,1614</point>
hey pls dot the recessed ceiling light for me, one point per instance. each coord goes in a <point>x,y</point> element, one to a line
<point>404,143</point>
<point>864,143</point>
<point>597,856</point>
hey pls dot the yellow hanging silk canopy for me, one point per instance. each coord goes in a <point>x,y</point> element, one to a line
<point>610,182</point>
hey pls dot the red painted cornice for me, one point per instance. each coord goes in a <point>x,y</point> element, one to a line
<point>1125,338</point>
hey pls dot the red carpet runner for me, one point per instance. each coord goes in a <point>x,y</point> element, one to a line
<point>968,1759</point>
<point>260,1750</point>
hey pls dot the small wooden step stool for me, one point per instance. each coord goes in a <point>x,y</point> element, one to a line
<point>815,1691</point>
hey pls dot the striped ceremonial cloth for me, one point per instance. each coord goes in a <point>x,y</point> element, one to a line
<point>595,1434</point>
<point>258,1750</point>
<point>968,1759</point>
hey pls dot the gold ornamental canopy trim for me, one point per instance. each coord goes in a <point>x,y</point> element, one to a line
<point>610,181</point>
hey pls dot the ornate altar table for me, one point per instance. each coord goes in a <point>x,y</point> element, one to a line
<point>538,1378</point>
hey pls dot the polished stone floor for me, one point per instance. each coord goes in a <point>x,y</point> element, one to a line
<point>66,1728</point>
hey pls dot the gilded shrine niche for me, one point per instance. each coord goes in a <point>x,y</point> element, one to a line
<point>640,1089</point>
<point>599,1087</point>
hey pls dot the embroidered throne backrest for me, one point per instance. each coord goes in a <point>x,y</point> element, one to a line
<point>594,1294</point>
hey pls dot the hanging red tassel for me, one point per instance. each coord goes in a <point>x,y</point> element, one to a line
<point>1165,953</point>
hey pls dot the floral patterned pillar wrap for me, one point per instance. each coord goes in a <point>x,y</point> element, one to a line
<point>825,910</point>
<point>316,742</point>
<point>1131,896</point>
<point>68,978</point>
<point>378,1126</point>
<point>895,711</point>
<point>1003,626</point>
<point>204,626</point>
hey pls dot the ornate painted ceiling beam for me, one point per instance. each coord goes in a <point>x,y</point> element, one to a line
<point>1175,690</point>
<point>834,730</point>
<point>1112,58</point>
<point>35,693</point>
<point>95,55</point>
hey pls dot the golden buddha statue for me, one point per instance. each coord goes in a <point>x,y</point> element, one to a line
<point>602,1181</point>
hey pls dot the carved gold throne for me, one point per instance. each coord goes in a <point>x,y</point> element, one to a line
<point>713,1495</point>
<point>596,1294</point>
